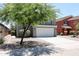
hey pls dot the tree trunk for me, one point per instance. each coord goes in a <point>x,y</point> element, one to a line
<point>25,29</point>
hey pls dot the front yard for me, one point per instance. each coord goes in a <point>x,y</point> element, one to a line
<point>49,46</point>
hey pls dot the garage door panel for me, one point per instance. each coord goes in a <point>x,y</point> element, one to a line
<point>42,32</point>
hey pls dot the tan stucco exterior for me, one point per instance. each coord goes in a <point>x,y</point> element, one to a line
<point>3,30</point>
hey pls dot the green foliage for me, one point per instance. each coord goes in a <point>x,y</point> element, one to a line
<point>13,32</point>
<point>25,13</point>
<point>13,29</point>
<point>1,41</point>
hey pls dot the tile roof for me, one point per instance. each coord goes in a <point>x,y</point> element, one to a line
<point>63,18</point>
<point>74,18</point>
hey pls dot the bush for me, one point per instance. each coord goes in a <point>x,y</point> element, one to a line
<point>61,33</point>
<point>27,34</point>
<point>1,41</point>
<point>13,32</point>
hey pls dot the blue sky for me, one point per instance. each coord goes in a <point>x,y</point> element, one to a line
<point>68,9</point>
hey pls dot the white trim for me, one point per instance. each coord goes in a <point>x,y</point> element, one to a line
<point>45,26</point>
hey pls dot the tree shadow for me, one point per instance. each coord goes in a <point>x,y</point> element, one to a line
<point>30,48</point>
<point>35,51</point>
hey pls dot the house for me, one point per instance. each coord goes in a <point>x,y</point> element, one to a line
<point>67,24</point>
<point>4,30</point>
<point>47,29</point>
<point>73,22</point>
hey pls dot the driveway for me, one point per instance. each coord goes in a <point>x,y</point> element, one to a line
<point>69,46</point>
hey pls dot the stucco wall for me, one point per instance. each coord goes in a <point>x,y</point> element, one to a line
<point>59,26</point>
<point>73,24</point>
<point>3,31</point>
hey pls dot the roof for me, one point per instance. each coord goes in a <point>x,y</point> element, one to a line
<point>4,26</point>
<point>74,18</point>
<point>63,18</point>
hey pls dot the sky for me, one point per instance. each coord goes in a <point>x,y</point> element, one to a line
<point>67,9</point>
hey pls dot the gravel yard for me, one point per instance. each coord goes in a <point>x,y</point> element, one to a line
<point>53,46</point>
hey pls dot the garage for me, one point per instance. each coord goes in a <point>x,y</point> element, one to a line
<point>44,31</point>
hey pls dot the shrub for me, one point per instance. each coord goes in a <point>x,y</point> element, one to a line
<point>1,41</point>
<point>61,33</point>
<point>27,34</point>
<point>13,32</point>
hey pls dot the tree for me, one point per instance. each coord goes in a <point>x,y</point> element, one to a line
<point>13,29</point>
<point>27,14</point>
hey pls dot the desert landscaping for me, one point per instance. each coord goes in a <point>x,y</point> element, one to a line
<point>51,46</point>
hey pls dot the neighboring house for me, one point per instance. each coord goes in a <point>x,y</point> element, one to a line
<point>47,29</point>
<point>73,22</point>
<point>67,24</point>
<point>4,30</point>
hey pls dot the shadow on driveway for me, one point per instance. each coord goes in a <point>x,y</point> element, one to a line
<point>33,49</point>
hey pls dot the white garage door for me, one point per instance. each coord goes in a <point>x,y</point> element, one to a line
<point>44,32</point>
